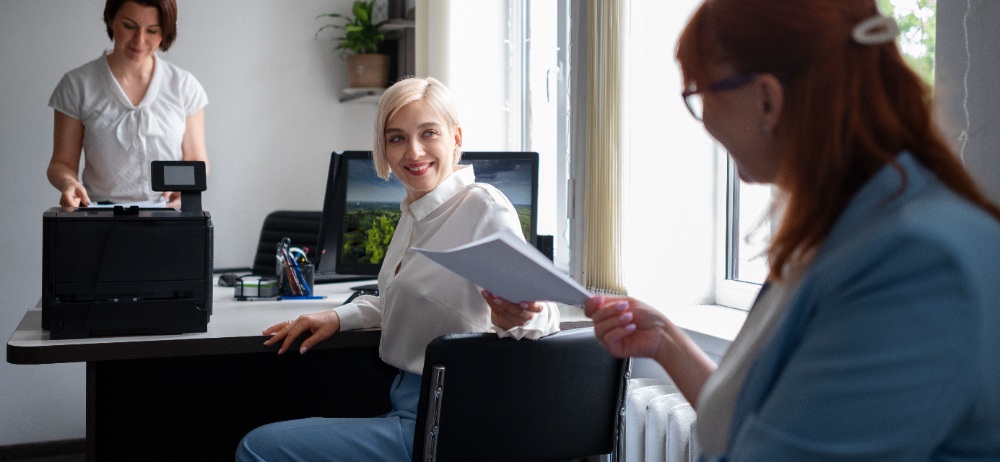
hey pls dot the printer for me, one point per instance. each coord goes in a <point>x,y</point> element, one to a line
<point>111,271</point>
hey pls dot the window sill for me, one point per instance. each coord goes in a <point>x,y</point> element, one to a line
<point>713,327</point>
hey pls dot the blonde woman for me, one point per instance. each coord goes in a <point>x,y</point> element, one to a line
<point>417,138</point>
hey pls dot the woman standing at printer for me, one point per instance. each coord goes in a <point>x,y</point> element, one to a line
<point>418,139</point>
<point>126,109</point>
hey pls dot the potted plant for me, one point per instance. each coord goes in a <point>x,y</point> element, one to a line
<point>359,45</point>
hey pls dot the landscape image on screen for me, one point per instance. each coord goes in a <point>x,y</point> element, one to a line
<point>372,204</point>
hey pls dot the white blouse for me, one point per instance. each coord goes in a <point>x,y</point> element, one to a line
<point>120,140</point>
<point>423,300</point>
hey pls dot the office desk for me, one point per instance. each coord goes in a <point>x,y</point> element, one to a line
<point>194,396</point>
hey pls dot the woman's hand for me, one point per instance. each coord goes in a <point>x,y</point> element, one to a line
<point>627,326</point>
<point>74,195</point>
<point>172,198</point>
<point>320,326</point>
<point>508,315</point>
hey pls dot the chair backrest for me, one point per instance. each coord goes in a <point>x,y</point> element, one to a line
<point>302,227</point>
<point>490,398</point>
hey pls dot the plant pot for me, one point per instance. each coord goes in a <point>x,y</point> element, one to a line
<point>367,70</point>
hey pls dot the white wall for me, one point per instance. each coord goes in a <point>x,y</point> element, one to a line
<point>272,120</point>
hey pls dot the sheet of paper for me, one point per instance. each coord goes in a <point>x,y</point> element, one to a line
<point>511,268</point>
<point>154,204</point>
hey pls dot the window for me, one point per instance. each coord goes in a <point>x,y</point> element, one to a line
<point>684,201</point>
<point>505,83</point>
<point>669,216</point>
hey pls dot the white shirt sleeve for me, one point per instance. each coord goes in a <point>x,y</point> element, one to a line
<point>544,323</point>
<point>363,312</point>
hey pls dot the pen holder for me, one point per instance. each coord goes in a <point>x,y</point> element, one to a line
<point>296,286</point>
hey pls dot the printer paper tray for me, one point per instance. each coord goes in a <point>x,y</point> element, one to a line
<point>143,317</point>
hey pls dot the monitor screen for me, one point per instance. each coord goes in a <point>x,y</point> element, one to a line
<point>361,210</point>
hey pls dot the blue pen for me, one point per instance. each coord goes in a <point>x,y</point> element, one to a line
<point>306,290</point>
<point>290,262</point>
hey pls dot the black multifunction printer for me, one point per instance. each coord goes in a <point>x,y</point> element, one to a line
<point>110,271</point>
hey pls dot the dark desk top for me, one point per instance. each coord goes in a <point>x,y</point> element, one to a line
<point>235,327</point>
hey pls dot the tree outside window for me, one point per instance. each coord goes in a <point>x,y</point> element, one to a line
<point>917,32</point>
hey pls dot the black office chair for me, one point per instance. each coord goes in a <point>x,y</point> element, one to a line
<point>486,398</point>
<point>302,227</point>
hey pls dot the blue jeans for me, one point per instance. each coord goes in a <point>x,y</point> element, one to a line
<point>385,438</point>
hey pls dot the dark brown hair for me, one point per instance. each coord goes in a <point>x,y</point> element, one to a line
<point>849,108</point>
<point>167,10</point>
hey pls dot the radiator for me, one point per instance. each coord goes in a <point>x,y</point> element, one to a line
<point>659,423</point>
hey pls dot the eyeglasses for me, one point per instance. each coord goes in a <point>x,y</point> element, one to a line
<point>693,96</point>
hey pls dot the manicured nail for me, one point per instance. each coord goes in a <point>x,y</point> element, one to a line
<point>303,350</point>
<point>625,317</point>
<point>621,306</point>
<point>630,327</point>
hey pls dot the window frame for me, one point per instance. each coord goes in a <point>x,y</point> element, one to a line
<point>728,290</point>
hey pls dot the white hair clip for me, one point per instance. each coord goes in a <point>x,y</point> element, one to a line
<point>875,30</point>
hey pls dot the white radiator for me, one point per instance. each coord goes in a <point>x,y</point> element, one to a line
<point>659,423</point>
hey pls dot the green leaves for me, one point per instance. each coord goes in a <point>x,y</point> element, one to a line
<point>918,32</point>
<point>361,35</point>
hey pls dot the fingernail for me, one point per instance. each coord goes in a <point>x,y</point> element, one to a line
<point>630,327</point>
<point>497,301</point>
<point>598,300</point>
<point>486,293</point>
<point>625,317</point>
<point>621,306</point>
<point>523,305</point>
<point>303,350</point>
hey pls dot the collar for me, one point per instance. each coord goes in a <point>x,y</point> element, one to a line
<point>151,92</point>
<point>458,180</point>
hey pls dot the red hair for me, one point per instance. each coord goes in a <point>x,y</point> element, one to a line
<point>849,108</point>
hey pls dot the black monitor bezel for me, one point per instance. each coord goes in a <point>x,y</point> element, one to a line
<point>335,204</point>
<point>330,201</point>
<point>513,155</point>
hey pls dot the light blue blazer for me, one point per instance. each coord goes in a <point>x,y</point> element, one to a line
<point>890,348</point>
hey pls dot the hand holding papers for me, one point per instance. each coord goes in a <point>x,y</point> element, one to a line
<point>504,264</point>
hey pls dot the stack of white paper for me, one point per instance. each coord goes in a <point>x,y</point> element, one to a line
<point>511,268</point>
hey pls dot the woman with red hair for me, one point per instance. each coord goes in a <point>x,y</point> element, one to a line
<point>875,336</point>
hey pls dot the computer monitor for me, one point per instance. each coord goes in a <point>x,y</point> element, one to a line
<point>361,210</point>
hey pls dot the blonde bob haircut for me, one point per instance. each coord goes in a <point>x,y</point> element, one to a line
<point>400,94</point>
